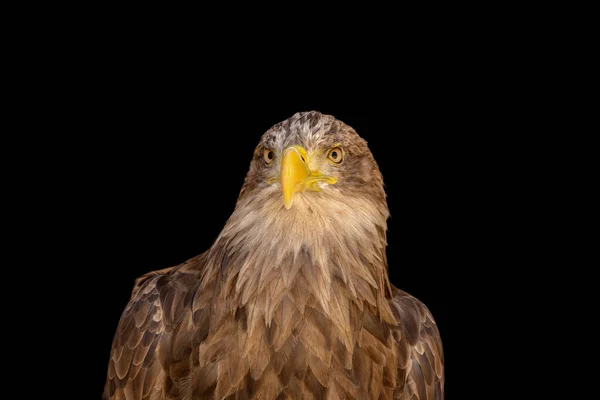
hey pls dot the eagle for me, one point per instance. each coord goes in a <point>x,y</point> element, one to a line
<point>293,299</point>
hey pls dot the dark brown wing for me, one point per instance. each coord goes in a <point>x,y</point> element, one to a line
<point>420,353</point>
<point>134,370</point>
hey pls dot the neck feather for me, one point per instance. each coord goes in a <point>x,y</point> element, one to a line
<point>323,245</point>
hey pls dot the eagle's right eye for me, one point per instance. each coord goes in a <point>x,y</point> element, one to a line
<point>268,156</point>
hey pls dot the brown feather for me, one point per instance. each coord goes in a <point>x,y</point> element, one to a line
<point>286,303</point>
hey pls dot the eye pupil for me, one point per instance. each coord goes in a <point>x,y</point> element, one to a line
<point>334,154</point>
<point>270,155</point>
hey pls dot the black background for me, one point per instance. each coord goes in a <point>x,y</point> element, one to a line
<point>133,136</point>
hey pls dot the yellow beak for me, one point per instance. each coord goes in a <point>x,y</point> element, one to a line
<point>295,176</point>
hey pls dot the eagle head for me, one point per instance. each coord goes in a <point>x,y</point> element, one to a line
<point>313,164</point>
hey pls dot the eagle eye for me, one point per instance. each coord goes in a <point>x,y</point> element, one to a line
<point>335,155</point>
<point>268,156</point>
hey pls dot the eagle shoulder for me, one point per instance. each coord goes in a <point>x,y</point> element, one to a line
<point>143,341</point>
<point>420,354</point>
<point>133,369</point>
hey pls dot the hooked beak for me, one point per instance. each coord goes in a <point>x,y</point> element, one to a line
<point>295,176</point>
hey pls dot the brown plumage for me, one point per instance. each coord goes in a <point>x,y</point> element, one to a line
<point>292,300</point>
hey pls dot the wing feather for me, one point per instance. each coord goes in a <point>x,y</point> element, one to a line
<point>132,370</point>
<point>420,357</point>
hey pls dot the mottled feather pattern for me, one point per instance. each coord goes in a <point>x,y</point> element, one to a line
<point>286,303</point>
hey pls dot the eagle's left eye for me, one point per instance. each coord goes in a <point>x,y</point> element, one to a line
<point>268,156</point>
<point>336,155</point>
